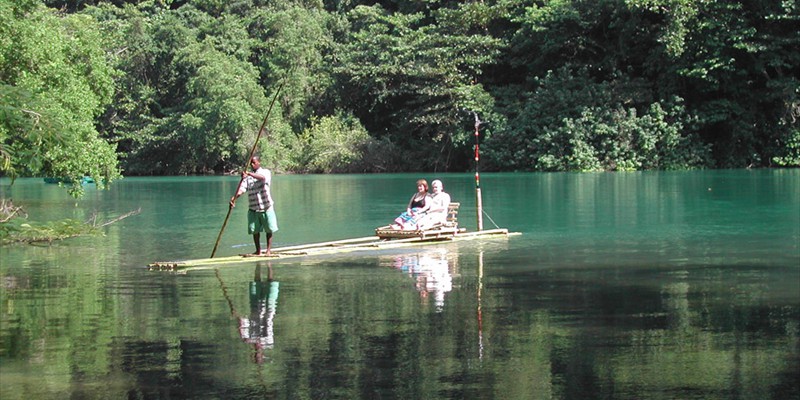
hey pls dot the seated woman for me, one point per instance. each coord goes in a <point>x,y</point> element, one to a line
<point>437,211</point>
<point>417,207</point>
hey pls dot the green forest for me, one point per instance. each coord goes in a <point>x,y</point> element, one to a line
<point>172,87</point>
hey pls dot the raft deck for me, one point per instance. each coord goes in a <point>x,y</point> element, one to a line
<point>369,243</point>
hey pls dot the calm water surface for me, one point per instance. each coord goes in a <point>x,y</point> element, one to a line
<point>622,286</point>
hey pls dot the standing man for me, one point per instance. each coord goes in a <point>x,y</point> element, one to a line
<point>261,213</point>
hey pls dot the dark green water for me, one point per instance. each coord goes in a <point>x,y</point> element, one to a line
<point>680,285</point>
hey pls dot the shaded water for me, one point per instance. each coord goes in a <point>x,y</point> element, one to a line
<point>641,285</point>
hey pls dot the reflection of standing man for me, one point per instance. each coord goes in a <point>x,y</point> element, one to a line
<point>257,329</point>
<point>261,213</point>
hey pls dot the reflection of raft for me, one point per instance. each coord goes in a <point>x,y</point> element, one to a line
<point>369,243</point>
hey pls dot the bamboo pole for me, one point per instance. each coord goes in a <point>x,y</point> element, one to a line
<point>247,163</point>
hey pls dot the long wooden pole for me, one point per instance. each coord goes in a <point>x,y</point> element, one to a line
<point>479,200</point>
<point>247,163</point>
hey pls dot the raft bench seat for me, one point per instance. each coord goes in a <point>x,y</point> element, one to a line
<point>441,230</point>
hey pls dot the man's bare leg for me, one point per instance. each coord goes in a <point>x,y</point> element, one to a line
<point>257,241</point>
<point>269,243</point>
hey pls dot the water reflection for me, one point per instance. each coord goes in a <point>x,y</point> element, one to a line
<point>257,328</point>
<point>623,286</point>
<point>432,273</point>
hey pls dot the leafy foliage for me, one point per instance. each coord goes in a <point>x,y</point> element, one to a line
<point>181,87</point>
<point>340,144</point>
<point>412,79</point>
<point>589,137</point>
<point>291,46</point>
<point>602,140</point>
<point>55,83</point>
<point>739,71</point>
<point>196,99</point>
<point>14,227</point>
<point>44,232</point>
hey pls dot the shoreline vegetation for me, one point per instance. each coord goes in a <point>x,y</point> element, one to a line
<point>179,87</point>
<point>14,227</point>
<point>173,88</point>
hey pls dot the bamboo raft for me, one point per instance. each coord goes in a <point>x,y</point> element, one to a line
<point>369,243</point>
<point>385,236</point>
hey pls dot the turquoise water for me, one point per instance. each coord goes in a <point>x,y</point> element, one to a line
<point>622,285</point>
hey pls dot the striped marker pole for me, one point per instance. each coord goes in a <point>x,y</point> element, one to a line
<point>479,200</point>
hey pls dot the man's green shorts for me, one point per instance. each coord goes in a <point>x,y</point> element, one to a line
<point>258,221</point>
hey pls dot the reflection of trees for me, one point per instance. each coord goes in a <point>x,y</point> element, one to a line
<point>633,334</point>
<point>732,355</point>
<point>352,330</point>
<point>57,318</point>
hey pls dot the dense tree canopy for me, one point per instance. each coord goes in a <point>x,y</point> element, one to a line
<point>54,83</point>
<point>181,86</point>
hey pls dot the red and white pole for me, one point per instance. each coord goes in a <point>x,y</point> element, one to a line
<point>479,200</point>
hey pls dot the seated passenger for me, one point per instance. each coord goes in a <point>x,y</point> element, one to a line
<point>437,211</point>
<point>417,207</point>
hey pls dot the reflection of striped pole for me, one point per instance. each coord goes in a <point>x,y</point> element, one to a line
<point>479,201</point>
<point>480,311</point>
